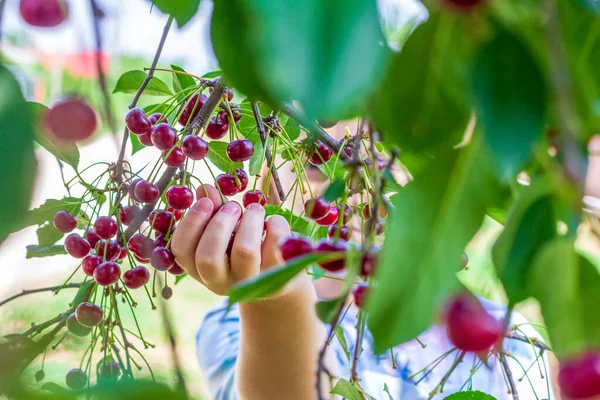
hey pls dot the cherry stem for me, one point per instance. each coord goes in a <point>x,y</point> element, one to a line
<point>509,375</point>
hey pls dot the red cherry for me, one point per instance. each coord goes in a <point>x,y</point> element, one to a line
<point>64,222</point>
<point>243,177</point>
<point>316,208</point>
<point>106,227</point>
<point>226,94</point>
<point>146,192</point>
<point>44,13</point>
<point>327,246</point>
<point>88,314</point>
<point>360,293</point>
<point>77,246</point>
<point>164,136</point>
<point>216,128</point>
<point>579,376</point>
<point>380,163</point>
<point>107,273</point>
<point>128,213</point>
<point>366,211</point>
<point>295,246</point>
<point>113,250</point>
<point>176,269</point>
<point>162,259</point>
<point>191,108</point>
<point>321,155</point>
<point>379,226</point>
<point>90,263</point>
<point>161,240</point>
<point>254,196</point>
<point>75,327</point>
<point>154,118</point>
<point>341,232</point>
<point>136,277</point>
<point>92,238</point>
<point>146,139</point>
<point>240,150</point>
<point>131,189</point>
<point>160,220</point>
<point>71,120</point>
<point>469,326</point>
<point>177,213</point>
<point>369,261</point>
<point>141,246</point>
<point>331,217</point>
<point>466,5</point>
<point>224,116</point>
<point>194,147</point>
<point>227,184</point>
<point>347,213</point>
<point>137,122</point>
<point>123,253</point>
<point>180,197</point>
<point>174,157</point>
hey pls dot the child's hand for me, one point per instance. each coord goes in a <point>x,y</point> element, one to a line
<point>201,239</point>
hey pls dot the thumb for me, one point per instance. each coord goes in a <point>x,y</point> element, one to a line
<point>277,228</point>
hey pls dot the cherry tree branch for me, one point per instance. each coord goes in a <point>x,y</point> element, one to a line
<point>44,289</point>
<point>260,127</point>
<point>534,342</point>
<point>509,375</point>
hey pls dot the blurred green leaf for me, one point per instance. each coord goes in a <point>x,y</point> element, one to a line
<point>339,334</point>
<point>470,395</point>
<point>511,98</point>
<point>335,190</point>
<point>34,251</point>
<point>178,278</point>
<point>67,152</point>
<point>56,389</point>
<point>427,232</point>
<point>422,102</point>
<point>592,5</point>
<point>292,128</point>
<point>217,154</point>
<point>48,235</point>
<point>346,390</point>
<point>181,81</point>
<point>181,10</point>
<point>83,293</point>
<point>17,159</point>
<point>131,81</point>
<point>327,310</point>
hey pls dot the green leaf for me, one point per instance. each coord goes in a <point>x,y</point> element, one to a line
<point>178,278</point>
<point>83,293</point>
<point>567,286</point>
<point>181,81</point>
<point>470,395</point>
<point>273,279</point>
<point>292,128</point>
<point>386,389</point>
<point>427,232</point>
<point>17,159</point>
<point>217,154</point>
<point>48,235</point>
<point>339,334</point>
<point>67,152</point>
<point>212,74</point>
<point>327,310</point>
<point>335,190</point>
<point>34,251</point>
<point>45,212</point>
<point>56,389</point>
<point>182,10</point>
<point>131,81</point>
<point>530,224</point>
<point>346,390</point>
<point>511,98</point>
<point>298,224</point>
<point>311,46</point>
<point>136,145</point>
<point>422,102</point>
<point>257,160</point>
<point>592,5</point>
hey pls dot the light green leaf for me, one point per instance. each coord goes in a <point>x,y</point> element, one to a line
<point>511,99</point>
<point>181,10</point>
<point>17,159</point>
<point>298,224</point>
<point>67,152</point>
<point>34,251</point>
<point>181,81</point>
<point>292,128</point>
<point>136,145</point>
<point>212,74</point>
<point>339,334</point>
<point>217,154</point>
<point>470,395</point>
<point>131,81</point>
<point>48,235</point>
<point>427,232</point>
<point>346,390</point>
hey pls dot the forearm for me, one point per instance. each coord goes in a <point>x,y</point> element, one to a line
<point>279,346</point>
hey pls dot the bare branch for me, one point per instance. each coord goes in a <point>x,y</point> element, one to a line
<point>509,375</point>
<point>45,289</point>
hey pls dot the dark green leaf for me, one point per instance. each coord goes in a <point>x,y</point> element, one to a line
<point>427,232</point>
<point>34,251</point>
<point>511,99</point>
<point>217,154</point>
<point>470,395</point>
<point>273,279</point>
<point>327,310</point>
<point>335,190</point>
<point>67,152</point>
<point>346,390</point>
<point>45,212</point>
<point>530,224</point>
<point>48,235</point>
<point>136,145</point>
<point>17,159</point>
<point>592,5</point>
<point>339,334</point>
<point>182,10</point>
<point>422,103</point>
<point>181,81</point>
<point>131,81</point>
<point>84,292</point>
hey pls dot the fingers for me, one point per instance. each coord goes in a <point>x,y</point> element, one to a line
<point>212,193</point>
<point>210,254</point>
<point>246,249</point>
<point>277,228</point>
<point>188,234</point>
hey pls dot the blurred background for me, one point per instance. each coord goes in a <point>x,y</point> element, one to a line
<point>62,60</point>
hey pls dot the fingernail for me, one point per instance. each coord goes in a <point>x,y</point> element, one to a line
<point>254,207</point>
<point>203,205</point>
<point>231,208</point>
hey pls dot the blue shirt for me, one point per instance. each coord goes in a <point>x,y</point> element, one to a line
<point>218,341</point>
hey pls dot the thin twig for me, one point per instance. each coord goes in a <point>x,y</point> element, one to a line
<point>40,327</point>
<point>45,289</point>
<point>260,127</point>
<point>440,386</point>
<point>535,342</point>
<point>509,375</point>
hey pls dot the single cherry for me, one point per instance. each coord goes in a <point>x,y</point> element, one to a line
<point>359,293</point>
<point>366,211</point>
<point>177,213</point>
<point>136,277</point>
<point>161,240</point>
<point>154,118</point>
<point>327,246</point>
<point>340,232</point>
<point>141,246</point>
<point>113,250</point>
<point>347,213</point>
<point>191,108</point>
<point>146,192</point>
<point>137,122</point>
<point>160,220</point>
<point>331,217</point>
<point>216,128</point>
<point>162,259</point>
<point>75,327</point>
<point>71,119</point>
<point>109,370</point>
<point>92,238</point>
<point>174,157</point>
<point>194,147</point>
<point>227,184</point>
<point>131,189</point>
<point>107,273</point>
<point>369,261</point>
<point>176,269</point>
<point>106,227</point>
<point>254,196</point>
<point>240,150</point>
<point>164,136</point>
<point>469,326</point>
<point>44,13</point>
<point>224,115</point>
<point>180,197</point>
<point>316,208</point>
<point>295,246</point>
<point>243,178</point>
<point>321,155</point>
<point>146,139</point>
<point>128,213</point>
<point>90,263</point>
<point>167,292</point>
<point>77,246</point>
<point>579,376</point>
<point>76,379</point>
<point>64,222</point>
<point>123,253</point>
<point>88,314</point>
